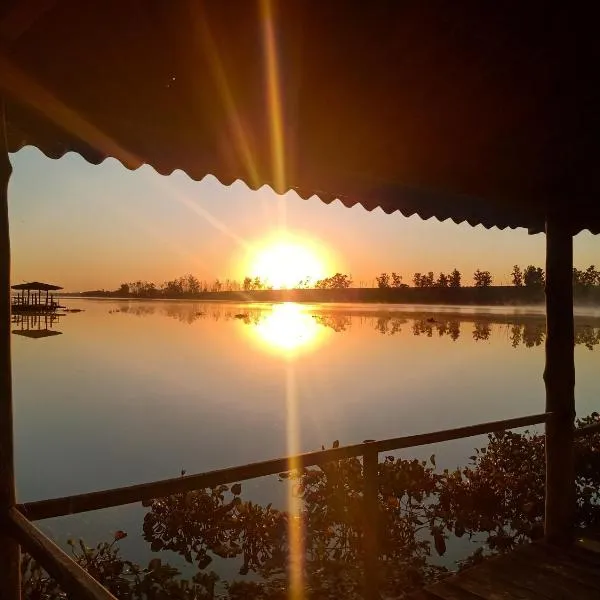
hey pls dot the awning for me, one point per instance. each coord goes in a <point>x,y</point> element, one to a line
<point>478,112</point>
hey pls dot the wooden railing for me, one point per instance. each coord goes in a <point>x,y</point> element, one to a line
<point>74,580</point>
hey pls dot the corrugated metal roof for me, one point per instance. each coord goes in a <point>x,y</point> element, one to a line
<point>485,113</point>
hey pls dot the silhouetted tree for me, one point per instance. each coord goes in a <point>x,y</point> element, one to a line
<point>517,276</point>
<point>383,281</point>
<point>443,280</point>
<point>175,287</point>
<point>423,281</point>
<point>592,276</point>
<point>482,278</point>
<point>396,280</point>
<point>454,280</point>
<point>587,278</point>
<point>337,281</point>
<point>142,289</point>
<point>304,284</point>
<point>123,289</point>
<point>533,277</point>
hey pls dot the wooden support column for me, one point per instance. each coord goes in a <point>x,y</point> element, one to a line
<point>559,377</point>
<point>10,588</point>
<point>371,523</point>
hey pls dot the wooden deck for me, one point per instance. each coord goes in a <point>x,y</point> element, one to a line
<point>534,571</point>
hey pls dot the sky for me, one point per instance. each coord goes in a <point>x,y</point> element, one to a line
<point>88,227</point>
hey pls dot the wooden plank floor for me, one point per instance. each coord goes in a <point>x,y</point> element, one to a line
<point>531,572</point>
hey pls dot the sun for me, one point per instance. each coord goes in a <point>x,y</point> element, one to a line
<point>285,263</point>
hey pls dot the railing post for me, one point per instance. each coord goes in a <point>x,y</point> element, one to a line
<point>371,522</point>
<point>559,377</point>
<point>10,585</point>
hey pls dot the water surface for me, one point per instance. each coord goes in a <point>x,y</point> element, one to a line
<point>132,391</point>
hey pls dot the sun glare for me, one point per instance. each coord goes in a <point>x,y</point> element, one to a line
<point>287,328</point>
<point>284,264</point>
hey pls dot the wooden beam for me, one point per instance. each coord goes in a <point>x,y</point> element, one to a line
<point>10,584</point>
<point>55,507</point>
<point>559,377</point>
<point>73,579</point>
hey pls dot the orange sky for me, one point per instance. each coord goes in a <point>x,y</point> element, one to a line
<point>89,227</point>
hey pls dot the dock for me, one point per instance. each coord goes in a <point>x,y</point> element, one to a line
<point>35,297</point>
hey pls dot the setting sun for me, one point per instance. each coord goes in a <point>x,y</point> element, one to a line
<point>284,264</point>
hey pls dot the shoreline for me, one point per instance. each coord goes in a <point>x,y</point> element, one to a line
<point>509,296</point>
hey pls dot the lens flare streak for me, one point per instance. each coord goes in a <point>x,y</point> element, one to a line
<point>274,97</point>
<point>295,525</point>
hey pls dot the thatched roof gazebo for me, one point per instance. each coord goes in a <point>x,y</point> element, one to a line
<point>484,113</point>
<point>36,286</point>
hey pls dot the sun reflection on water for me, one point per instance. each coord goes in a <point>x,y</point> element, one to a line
<point>288,328</point>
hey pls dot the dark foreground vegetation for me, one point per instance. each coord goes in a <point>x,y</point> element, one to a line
<point>497,502</point>
<point>427,288</point>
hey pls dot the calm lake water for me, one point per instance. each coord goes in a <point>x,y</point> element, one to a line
<point>135,391</point>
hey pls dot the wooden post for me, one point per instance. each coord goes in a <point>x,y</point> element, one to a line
<point>559,377</point>
<point>370,520</point>
<point>10,587</point>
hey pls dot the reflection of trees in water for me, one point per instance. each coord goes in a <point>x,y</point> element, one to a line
<point>454,330</point>
<point>388,325</point>
<point>588,336</point>
<point>528,332</point>
<point>138,310</point>
<point>337,322</point>
<point>481,331</point>
<point>498,499</point>
<point>422,327</point>
<point>443,327</point>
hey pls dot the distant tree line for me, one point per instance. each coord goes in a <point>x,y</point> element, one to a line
<point>190,286</point>
<point>532,276</point>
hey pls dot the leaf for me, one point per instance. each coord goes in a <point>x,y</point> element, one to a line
<point>221,550</point>
<point>204,561</point>
<point>236,489</point>
<point>432,460</point>
<point>154,564</point>
<point>440,543</point>
<point>336,444</point>
<point>120,534</point>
